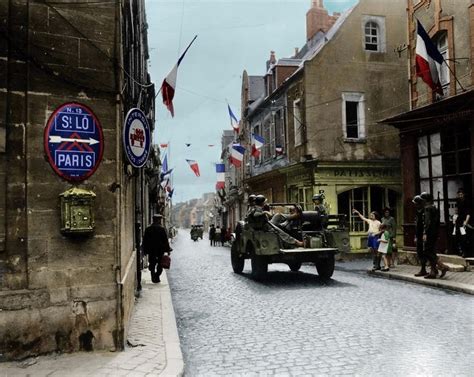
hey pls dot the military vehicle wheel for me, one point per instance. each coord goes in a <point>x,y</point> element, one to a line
<point>259,266</point>
<point>237,260</point>
<point>294,266</point>
<point>325,267</point>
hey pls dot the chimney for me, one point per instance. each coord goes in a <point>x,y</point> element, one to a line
<point>318,19</point>
<point>296,51</point>
<point>272,60</point>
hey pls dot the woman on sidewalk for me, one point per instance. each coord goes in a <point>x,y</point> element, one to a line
<point>373,235</point>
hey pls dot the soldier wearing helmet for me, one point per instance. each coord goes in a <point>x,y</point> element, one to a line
<point>258,220</point>
<point>430,235</point>
<point>321,210</point>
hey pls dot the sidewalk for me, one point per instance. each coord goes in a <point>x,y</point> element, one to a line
<point>455,281</point>
<point>153,347</point>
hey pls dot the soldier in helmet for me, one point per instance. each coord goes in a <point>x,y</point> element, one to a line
<point>430,235</point>
<point>321,211</point>
<point>419,221</point>
<point>258,220</point>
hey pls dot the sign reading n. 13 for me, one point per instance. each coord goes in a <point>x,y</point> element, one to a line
<point>136,137</point>
<point>74,142</point>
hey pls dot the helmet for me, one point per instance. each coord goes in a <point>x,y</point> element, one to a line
<point>260,199</point>
<point>251,198</point>
<point>417,199</point>
<point>426,196</point>
<point>319,197</point>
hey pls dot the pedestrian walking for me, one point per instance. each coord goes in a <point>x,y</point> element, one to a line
<point>223,234</point>
<point>372,236</point>
<point>212,234</point>
<point>430,236</point>
<point>419,221</point>
<point>155,245</point>
<point>217,236</point>
<point>391,228</point>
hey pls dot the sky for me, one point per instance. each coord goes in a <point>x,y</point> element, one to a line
<point>233,36</point>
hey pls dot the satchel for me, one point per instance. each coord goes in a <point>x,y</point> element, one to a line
<point>165,261</point>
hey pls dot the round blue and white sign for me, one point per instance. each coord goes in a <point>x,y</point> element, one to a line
<point>73,141</point>
<point>136,138</point>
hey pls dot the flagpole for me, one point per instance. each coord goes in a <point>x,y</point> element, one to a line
<point>450,70</point>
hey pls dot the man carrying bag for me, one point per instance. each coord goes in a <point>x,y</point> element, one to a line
<point>156,245</point>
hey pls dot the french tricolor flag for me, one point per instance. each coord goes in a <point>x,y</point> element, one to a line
<point>237,155</point>
<point>233,119</point>
<point>257,144</point>
<point>194,167</point>
<point>220,170</point>
<point>169,83</point>
<point>428,60</point>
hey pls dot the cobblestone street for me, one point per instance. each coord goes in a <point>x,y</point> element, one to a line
<point>297,324</point>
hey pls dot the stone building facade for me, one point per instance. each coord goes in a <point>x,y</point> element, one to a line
<point>324,116</point>
<point>59,293</point>
<point>437,134</point>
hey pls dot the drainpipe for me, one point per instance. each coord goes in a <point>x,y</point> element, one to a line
<point>119,333</point>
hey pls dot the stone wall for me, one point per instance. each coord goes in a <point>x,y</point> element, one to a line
<point>59,293</point>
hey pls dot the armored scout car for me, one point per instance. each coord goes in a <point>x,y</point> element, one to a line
<point>262,247</point>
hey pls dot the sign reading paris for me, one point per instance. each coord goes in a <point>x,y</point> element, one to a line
<point>74,142</point>
<point>136,138</point>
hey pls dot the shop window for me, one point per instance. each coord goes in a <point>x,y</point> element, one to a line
<point>297,122</point>
<point>303,196</point>
<point>430,168</point>
<point>365,200</point>
<point>353,116</point>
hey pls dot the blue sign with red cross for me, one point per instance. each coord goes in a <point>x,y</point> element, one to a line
<point>74,142</point>
<point>136,137</point>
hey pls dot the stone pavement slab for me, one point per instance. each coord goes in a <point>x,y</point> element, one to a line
<point>153,347</point>
<point>455,281</point>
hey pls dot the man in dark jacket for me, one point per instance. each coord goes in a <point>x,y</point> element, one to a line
<point>155,245</point>
<point>419,222</point>
<point>430,235</point>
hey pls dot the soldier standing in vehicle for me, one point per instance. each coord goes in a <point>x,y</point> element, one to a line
<point>321,211</point>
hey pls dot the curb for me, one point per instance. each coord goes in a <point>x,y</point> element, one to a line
<point>436,283</point>
<point>174,357</point>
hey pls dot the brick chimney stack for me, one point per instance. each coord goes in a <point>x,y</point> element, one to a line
<point>318,18</point>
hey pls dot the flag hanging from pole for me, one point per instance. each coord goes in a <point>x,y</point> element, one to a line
<point>257,144</point>
<point>428,59</point>
<point>220,170</point>
<point>194,167</point>
<point>233,119</point>
<point>237,155</point>
<point>169,83</point>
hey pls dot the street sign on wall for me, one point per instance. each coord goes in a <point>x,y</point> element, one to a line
<point>136,138</point>
<point>74,142</point>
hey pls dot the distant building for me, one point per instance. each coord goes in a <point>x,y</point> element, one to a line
<point>437,134</point>
<point>60,293</point>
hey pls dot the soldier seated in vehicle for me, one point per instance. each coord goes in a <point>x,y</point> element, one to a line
<point>289,223</point>
<point>258,219</point>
